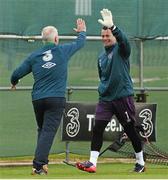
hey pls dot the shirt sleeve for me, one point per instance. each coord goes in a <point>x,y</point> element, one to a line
<point>21,71</point>
<point>123,43</point>
<point>70,48</point>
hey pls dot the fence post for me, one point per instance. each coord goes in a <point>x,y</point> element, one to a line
<point>141,97</point>
<point>67,142</point>
<point>141,63</point>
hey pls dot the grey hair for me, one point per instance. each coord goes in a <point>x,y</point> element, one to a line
<point>49,33</point>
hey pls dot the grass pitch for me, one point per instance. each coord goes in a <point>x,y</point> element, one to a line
<point>104,171</point>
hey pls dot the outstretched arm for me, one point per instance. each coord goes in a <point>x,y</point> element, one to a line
<point>124,46</point>
<point>123,43</point>
<point>70,48</point>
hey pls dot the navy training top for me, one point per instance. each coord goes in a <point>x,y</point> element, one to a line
<point>114,69</point>
<point>49,68</point>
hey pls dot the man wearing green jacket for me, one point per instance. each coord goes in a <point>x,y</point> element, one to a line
<point>115,93</point>
<point>49,68</point>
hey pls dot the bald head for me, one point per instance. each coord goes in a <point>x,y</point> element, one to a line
<point>50,34</point>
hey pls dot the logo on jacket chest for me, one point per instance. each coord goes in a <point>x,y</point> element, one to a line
<point>110,55</point>
<point>105,61</point>
<point>48,65</point>
<point>48,56</point>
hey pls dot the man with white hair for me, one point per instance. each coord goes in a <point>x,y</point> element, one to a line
<point>49,68</point>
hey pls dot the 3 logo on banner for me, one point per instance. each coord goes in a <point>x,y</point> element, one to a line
<point>73,127</point>
<point>147,124</point>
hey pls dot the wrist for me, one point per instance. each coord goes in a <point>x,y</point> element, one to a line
<point>113,28</point>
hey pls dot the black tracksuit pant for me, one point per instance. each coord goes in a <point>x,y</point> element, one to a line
<point>48,112</point>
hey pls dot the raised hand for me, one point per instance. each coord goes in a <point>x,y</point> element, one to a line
<point>80,25</point>
<point>107,18</point>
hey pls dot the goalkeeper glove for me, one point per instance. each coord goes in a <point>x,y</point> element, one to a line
<point>107,19</point>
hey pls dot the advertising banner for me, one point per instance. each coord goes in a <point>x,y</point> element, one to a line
<point>78,122</point>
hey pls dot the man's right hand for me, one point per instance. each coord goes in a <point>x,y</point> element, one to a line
<point>80,25</point>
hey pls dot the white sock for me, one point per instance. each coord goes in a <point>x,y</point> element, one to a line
<point>139,158</point>
<point>93,157</point>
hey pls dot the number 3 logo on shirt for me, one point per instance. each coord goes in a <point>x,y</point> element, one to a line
<point>47,55</point>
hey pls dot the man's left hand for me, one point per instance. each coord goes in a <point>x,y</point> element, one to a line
<point>80,23</point>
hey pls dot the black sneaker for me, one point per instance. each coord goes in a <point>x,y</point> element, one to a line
<point>42,171</point>
<point>139,168</point>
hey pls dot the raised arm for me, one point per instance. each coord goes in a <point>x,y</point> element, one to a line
<point>123,43</point>
<point>71,48</point>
